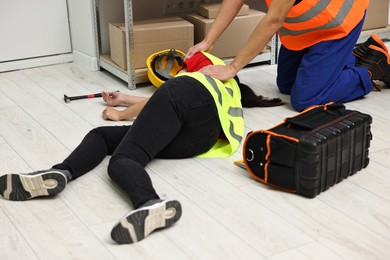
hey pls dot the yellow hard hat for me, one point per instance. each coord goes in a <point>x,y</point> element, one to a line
<point>164,65</point>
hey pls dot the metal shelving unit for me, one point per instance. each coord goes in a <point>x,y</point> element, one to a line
<point>132,76</point>
<point>104,61</point>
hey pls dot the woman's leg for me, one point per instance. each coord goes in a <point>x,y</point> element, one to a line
<point>179,121</point>
<point>95,146</point>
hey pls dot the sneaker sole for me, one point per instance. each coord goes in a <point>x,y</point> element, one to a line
<point>23,187</point>
<point>140,223</point>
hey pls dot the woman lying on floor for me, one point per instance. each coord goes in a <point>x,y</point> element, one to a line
<point>189,115</point>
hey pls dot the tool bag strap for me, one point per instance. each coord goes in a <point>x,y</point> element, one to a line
<point>316,116</point>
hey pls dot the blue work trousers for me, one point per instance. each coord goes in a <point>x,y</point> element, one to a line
<point>325,72</point>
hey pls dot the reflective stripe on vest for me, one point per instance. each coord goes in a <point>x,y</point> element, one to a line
<point>313,21</point>
<point>227,97</point>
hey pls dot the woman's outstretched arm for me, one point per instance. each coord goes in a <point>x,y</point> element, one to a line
<point>135,105</point>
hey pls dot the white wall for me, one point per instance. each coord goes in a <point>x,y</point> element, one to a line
<point>81,21</point>
<point>33,33</point>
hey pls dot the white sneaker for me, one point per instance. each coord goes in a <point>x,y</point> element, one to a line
<point>27,186</point>
<point>139,223</point>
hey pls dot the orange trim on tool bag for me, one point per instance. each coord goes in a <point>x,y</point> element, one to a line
<point>268,144</point>
<point>303,112</point>
<point>328,104</point>
<point>308,109</point>
<point>281,136</point>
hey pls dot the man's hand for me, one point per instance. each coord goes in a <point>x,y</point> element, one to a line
<point>221,72</point>
<point>202,46</point>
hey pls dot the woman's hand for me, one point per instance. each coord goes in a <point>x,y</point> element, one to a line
<point>112,98</point>
<point>110,113</point>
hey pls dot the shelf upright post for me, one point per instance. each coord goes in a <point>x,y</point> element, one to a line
<point>130,43</point>
<point>97,31</point>
<point>274,49</point>
<point>274,46</point>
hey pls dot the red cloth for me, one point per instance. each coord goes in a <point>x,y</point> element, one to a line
<point>196,62</point>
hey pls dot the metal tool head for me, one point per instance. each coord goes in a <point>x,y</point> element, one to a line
<point>66,99</point>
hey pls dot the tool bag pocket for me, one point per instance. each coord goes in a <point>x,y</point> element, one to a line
<point>270,158</point>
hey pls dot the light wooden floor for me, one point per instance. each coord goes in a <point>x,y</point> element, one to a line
<point>226,214</point>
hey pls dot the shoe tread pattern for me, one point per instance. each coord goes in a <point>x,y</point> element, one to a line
<point>12,188</point>
<point>19,187</point>
<point>140,223</point>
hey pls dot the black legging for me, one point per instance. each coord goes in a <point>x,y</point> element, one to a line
<point>179,121</point>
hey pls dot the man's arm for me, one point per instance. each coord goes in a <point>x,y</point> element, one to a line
<point>262,34</point>
<point>226,13</point>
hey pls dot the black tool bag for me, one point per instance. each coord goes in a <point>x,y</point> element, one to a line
<point>310,152</point>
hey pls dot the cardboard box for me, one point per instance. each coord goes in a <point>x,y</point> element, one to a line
<point>210,10</point>
<point>234,37</point>
<point>150,36</point>
<point>377,15</point>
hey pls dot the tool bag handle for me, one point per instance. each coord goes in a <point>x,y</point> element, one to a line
<point>316,116</point>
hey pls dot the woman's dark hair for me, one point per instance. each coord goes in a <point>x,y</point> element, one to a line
<point>250,99</point>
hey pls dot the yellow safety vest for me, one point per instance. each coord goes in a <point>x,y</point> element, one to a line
<point>227,97</point>
<point>313,21</point>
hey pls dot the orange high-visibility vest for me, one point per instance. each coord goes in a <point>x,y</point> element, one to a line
<point>313,21</point>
